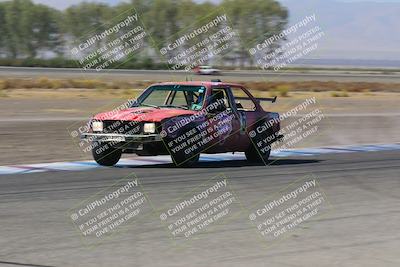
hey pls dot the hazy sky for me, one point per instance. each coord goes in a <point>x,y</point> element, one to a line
<point>62,4</point>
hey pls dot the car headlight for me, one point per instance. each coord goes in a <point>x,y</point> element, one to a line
<point>149,127</point>
<point>97,126</point>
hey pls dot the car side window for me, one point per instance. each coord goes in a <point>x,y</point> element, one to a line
<point>242,100</point>
<point>219,97</point>
<point>179,99</point>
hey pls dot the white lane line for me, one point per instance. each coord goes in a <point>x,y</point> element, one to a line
<point>145,161</point>
<point>10,170</point>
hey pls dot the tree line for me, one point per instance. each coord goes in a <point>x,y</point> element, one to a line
<point>30,31</point>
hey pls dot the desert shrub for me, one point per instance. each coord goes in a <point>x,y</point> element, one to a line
<point>2,85</point>
<point>2,89</point>
<point>56,84</point>
<point>340,94</point>
<point>43,82</point>
<point>283,90</point>
<point>91,84</point>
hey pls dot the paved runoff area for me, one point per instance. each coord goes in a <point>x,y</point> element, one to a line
<point>155,160</point>
<point>332,206</point>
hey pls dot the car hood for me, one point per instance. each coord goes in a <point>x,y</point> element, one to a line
<point>143,114</point>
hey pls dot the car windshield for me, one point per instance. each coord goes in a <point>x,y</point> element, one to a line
<point>173,96</point>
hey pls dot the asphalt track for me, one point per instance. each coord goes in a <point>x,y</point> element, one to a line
<point>360,228</point>
<point>166,75</point>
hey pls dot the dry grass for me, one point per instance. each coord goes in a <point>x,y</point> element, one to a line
<point>3,84</point>
<point>2,87</point>
<point>340,94</point>
<point>317,86</point>
<point>282,89</point>
<point>45,83</point>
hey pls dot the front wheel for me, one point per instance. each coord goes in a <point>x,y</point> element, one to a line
<point>105,155</point>
<point>252,155</point>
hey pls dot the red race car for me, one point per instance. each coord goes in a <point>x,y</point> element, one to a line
<point>183,120</point>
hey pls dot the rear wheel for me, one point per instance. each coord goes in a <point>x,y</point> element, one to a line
<point>252,155</point>
<point>105,155</point>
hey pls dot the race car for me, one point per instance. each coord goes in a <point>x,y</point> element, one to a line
<point>206,70</point>
<point>183,120</point>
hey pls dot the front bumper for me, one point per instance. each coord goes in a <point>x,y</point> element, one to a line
<point>112,137</point>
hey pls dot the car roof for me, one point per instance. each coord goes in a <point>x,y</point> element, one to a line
<point>207,84</point>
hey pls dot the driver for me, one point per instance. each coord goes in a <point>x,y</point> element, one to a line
<point>219,98</point>
<point>197,100</point>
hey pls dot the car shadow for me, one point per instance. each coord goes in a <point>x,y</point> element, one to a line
<point>227,164</point>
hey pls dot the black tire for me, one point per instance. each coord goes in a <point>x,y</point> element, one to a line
<point>180,158</point>
<point>105,155</point>
<point>252,155</point>
<point>189,163</point>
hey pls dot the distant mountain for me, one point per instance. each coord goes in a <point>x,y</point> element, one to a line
<point>353,30</point>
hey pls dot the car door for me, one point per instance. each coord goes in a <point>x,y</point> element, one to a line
<point>248,113</point>
<point>227,120</point>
